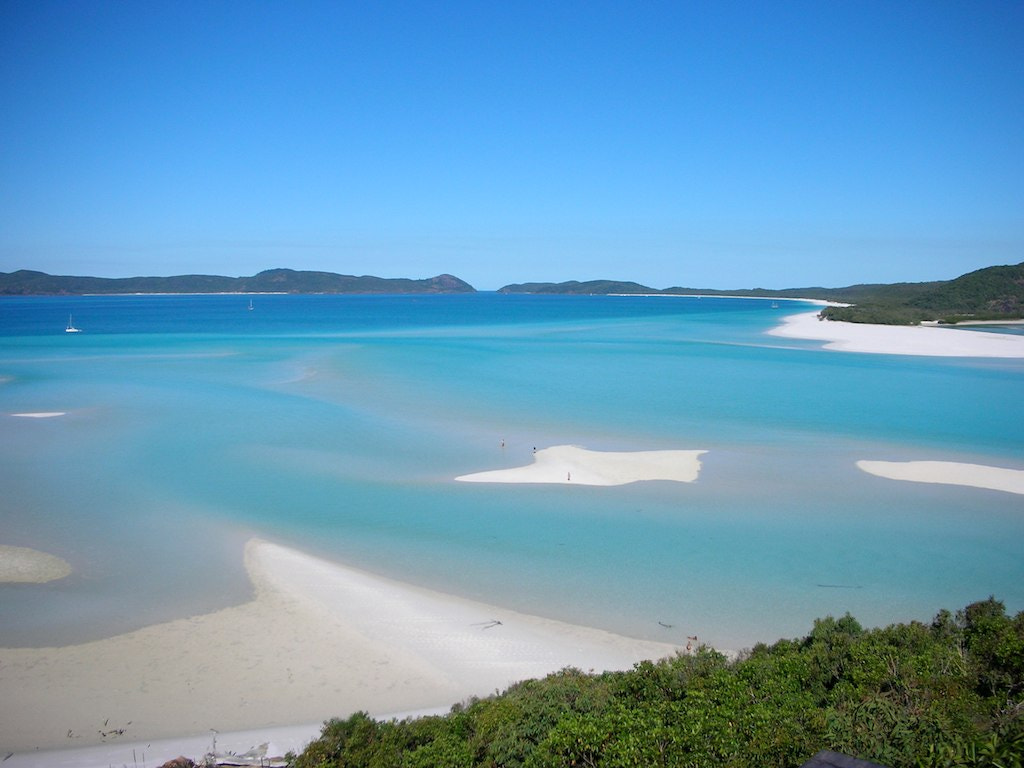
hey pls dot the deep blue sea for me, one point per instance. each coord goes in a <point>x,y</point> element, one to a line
<point>336,424</point>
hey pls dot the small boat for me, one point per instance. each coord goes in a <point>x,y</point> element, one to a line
<point>71,327</point>
<point>250,305</point>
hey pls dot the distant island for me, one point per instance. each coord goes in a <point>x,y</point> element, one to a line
<point>989,294</point>
<point>993,293</point>
<point>30,283</point>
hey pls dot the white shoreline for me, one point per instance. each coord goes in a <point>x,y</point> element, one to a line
<point>899,339</point>
<point>819,302</point>
<point>319,640</point>
<point>572,465</point>
<point>948,473</point>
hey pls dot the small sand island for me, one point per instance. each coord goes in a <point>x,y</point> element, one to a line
<point>21,565</point>
<point>949,473</point>
<point>569,464</point>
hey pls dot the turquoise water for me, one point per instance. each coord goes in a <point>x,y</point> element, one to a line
<point>336,424</point>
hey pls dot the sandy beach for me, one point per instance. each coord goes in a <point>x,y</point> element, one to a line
<point>949,473</point>
<point>318,640</point>
<point>899,339</point>
<point>569,464</point>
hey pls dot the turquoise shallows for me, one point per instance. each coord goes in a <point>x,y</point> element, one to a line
<point>336,424</point>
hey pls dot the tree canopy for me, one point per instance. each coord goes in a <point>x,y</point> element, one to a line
<point>993,293</point>
<point>945,694</point>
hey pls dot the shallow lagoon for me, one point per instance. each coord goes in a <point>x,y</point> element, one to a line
<point>336,424</point>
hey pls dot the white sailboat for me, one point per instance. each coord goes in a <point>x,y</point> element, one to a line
<point>71,327</point>
<point>250,305</point>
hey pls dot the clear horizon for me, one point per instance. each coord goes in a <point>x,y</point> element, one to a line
<point>715,145</point>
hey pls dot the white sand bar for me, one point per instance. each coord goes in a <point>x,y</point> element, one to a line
<point>319,640</point>
<point>24,565</point>
<point>900,339</point>
<point>569,464</point>
<point>949,473</point>
<point>40,414</point>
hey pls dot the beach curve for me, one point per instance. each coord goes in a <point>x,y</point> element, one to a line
<point>318,640</point>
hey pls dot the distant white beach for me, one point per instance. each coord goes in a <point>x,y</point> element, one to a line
<point>924,340</point>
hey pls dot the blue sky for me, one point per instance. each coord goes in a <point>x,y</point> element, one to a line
<point>715,144</point>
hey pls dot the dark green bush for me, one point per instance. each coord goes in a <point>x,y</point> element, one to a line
<point>948,694</point>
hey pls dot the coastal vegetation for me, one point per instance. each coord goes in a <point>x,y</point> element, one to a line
<point>29,283</point>
<point>993,293</point>
<point>947,694</point>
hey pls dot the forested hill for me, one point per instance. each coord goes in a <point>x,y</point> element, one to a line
<point>849,294</point>
<point>993,293</point>
<point>27,283</point>
<point>588,288</point>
